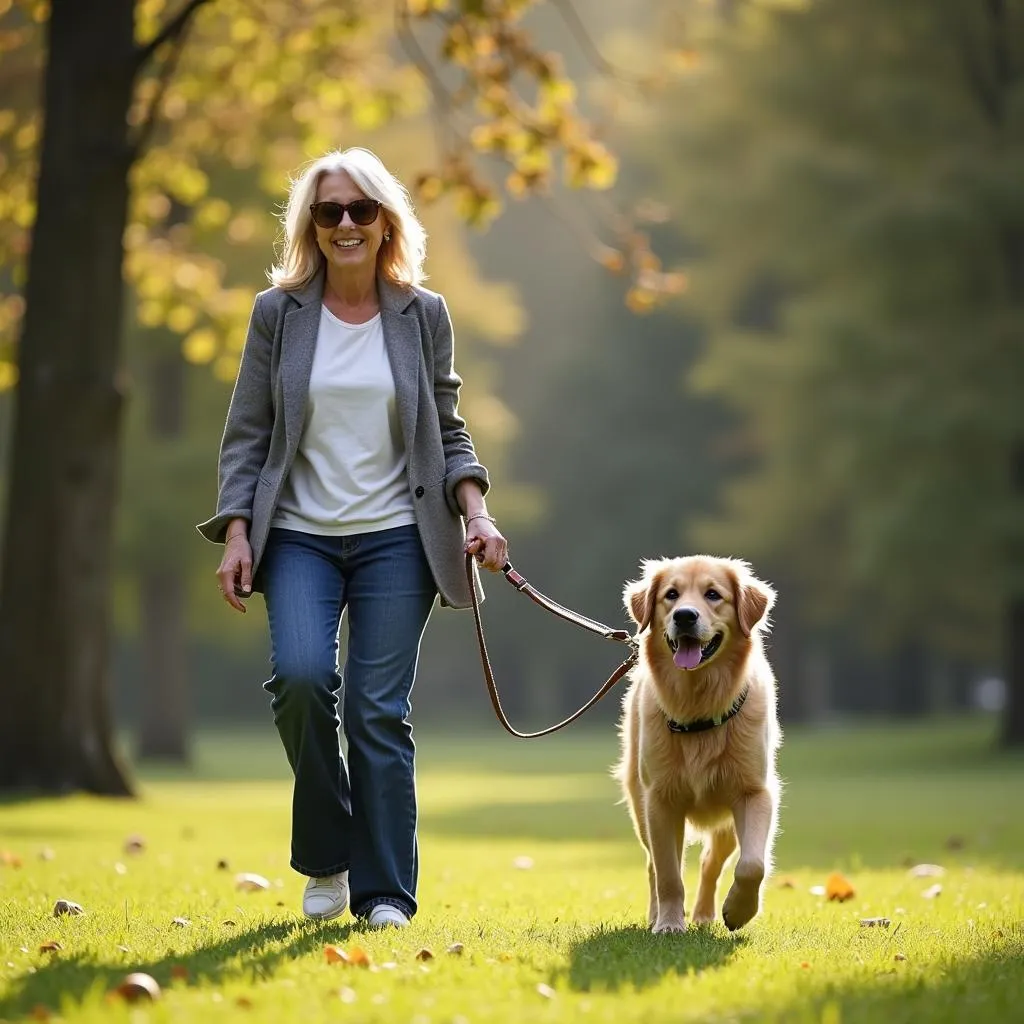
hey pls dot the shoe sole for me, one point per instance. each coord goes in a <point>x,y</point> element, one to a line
<point>325,917</point>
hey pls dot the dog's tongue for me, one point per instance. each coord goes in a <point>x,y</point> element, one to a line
<point>687,654</point>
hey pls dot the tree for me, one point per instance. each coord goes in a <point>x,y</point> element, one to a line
<point>132,121</point>
<point>862,265</point>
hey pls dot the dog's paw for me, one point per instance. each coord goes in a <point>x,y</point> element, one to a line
<point>669,923</point>
<point>702,916</point>
<point>742,902</point>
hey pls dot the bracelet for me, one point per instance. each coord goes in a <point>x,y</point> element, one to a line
<point>480,515</point>
<point>228,539</point>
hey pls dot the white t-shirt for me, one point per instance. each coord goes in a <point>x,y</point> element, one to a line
<point>349,474</point>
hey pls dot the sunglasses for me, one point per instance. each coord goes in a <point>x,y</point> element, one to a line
<point>329,214</point>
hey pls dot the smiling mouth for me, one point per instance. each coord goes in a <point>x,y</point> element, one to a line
<point>347,243</point>
<point>688,654</point>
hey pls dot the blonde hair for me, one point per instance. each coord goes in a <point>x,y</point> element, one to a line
<point>399,260</point>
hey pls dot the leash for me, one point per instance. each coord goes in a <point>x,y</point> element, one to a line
<point>591,625</point>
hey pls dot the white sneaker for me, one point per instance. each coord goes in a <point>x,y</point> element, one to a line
<point>386,916</point>
<point>326,898</point>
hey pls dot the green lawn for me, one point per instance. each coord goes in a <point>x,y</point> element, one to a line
<point>557,937</point>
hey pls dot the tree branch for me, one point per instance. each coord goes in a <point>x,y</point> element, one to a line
<point>579,30</point>
<point>445,103</point>
<point>172,30</point>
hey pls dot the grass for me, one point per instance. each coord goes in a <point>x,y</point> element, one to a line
<point>560,940</point>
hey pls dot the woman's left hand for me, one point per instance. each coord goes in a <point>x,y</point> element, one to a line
<point>484,540</point>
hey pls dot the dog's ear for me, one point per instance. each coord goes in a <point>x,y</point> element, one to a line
<point>639,597</point>
<point>753,598</point>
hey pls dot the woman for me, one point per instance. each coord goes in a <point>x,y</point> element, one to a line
<point>344,470</point>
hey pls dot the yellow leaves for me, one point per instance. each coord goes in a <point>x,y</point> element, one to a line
<point>428,187</point>
<point>8,376</point>
<point>150,314</point>
<point>200,346</point>
<point>8,119</point>
<point>244,30</point>
<point>181,318</point>
<point>591,165</point>
<point>476,205</point>
<point>189,184</point>
<point>422,8</point>
<point>27,136</point>
<point>225,369</point>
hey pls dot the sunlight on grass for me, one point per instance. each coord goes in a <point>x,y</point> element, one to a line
<point>530,864</point>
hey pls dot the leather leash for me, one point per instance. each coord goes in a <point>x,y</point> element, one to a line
<point>592,625</point>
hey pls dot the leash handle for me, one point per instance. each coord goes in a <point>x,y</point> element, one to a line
<point>592,625</point>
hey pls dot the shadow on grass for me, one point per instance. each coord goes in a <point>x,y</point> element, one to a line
<point>609,959</point>
<point>252,952</point>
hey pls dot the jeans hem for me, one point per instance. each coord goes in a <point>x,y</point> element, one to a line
<point>377,901</point>
<point>318,872</point>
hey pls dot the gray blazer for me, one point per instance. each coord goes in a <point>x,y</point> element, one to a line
<point>268,406</point>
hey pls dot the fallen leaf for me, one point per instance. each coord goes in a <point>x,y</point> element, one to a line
<point>222,865</point>
<point>900,956</point>
<point>523,863</point>
<point>46,853</point>
<point>40,1012</point>
<point>546,991</point>
<point>817,890</point>
<point>455,949</point>
<point>120,868</point>
<point>875,922</point>
<point>932,891</point>
<point>138,987</point>
<point>805,964</point>
<point>10,860</point>
<point>181,922</point>
<point>347,995</point>
<point>134,844</point>
<point>62,907</point>
<point>358,956</point>
<point>244,1002</point>
<point>837,887</point>
<point>50,947</point>
<point>424,954</point>
<point>389,965</point>
<point>787,883</point>
<point>247,881</point>
<point>228,924</point>
<point>179,972</point>
<point>927,871</point>
<point>955,843</point>
<point>123,949</point>
<point>336,955</point>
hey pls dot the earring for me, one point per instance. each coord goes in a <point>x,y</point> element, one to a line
<point>387,236</point>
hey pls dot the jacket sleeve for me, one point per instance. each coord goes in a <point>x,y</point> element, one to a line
<point>460,461</point>
<point>247,431</point>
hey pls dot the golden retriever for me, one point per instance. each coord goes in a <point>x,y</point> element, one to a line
<point>701,657</point>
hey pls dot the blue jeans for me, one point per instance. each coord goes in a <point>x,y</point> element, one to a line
<point>360,817</point>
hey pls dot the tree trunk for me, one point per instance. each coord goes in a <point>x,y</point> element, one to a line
<point>163,721</point>
<point>56,730</point>
<point>1013,714</point>
<point>163,683</point>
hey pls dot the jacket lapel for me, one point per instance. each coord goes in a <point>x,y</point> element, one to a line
<point>298,346</point>
<point>405,353</point>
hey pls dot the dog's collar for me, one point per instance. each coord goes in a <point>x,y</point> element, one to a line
<point>703,724</point>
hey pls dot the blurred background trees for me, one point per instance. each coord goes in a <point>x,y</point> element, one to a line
<point>752,281</point>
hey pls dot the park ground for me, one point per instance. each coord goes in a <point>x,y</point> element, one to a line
<point>533,894</point>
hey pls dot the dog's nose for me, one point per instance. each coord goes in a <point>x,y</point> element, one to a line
<point>684,618</point>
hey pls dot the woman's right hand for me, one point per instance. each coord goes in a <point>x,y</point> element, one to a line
<point>235,570</point>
